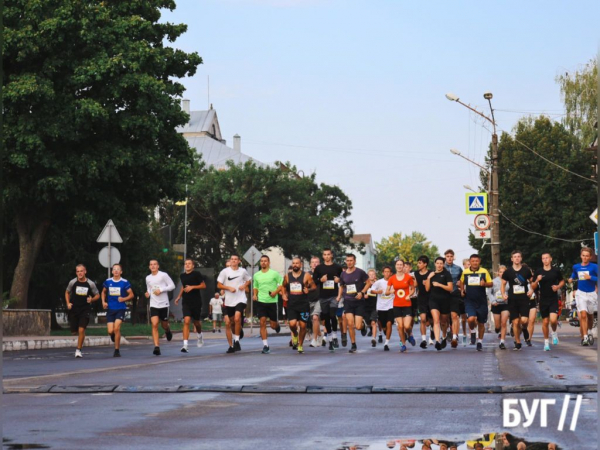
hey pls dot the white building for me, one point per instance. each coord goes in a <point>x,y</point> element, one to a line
<point>366,261</point>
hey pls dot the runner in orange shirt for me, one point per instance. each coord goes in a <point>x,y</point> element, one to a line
<point>403,286</point>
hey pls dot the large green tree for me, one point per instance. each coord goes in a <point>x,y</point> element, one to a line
<point>537,198</point>
<point>407,247</point>
<point>231,210</point>
<point>90,111</point>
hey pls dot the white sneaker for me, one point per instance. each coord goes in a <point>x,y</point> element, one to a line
<point>78,354</point>
<point>200,340</point>
<point>313,343</point>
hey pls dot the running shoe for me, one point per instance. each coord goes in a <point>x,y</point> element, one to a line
<point>473,339</point>
<point>411,339</point>
<point>266,350</point>
<point>184,349</point>
<point>370,333</point>
<point>585,342</point>
<point>517,347</point>
<point>479,346</point>
<point>363,330</point>
<point>431,341</point>
<point>502,346</point>
<point>300,349</point>
<point>336,343</point>
<point>438,346</point>
<point>230,350</point>
<point>295,342</point>
<point>200,342</point>
<point>352,349</point>
<point>591,339</point>
<point>278,329</point>
<point>386,348</point>
<point>168,335</point>
<point>546,347</point>
<point>291,344</point>
<point>116,354</point>
<point>214,331</point>
<point>528,342</point>
<point>555,340</point>
<point>380,339</point>
<point>499,335</point>
<point>432,335</point>
<point>237,347</point>
<point>423,344</point>
<point>444,343</point>
<point>112,337</point>
<point>219,330</point>
<point>402,348</point>
<point>313,343</point>
<point>156,351</point>
<point>373,343</point>
<point>454,343</point>
<point>331,347</point>
<point>323,342</point>
<point>78,354</point>
<point>344,340</point>
<point>464,341</point>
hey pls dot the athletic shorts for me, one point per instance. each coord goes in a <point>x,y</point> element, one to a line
<point>79,318</point>
<point>230,311</point>
<point>457,304</point>
<point>499,308</point>
<point>192,309</point>
<point>315,308</point>
<point>587,301</point>
<point>385,316</point>
<point>298,311</point>
<point>267,310</point>
<point>217,317</point>
<point>442,306</point>
<point>402,311</point>
<point>548,306</point>
<point>356,307</point>
<point>414,307</point>
<point>370,309</point>
<point>328,306</point>
<point>112,315</point>
<point>518,307</point>
<point>161,313</point>
<point>532,303</point>
<point>340,311</point>
<point>477,308</point>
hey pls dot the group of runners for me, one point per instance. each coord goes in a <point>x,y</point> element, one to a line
<point>349,300</point>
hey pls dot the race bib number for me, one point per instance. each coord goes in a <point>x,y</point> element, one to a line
<point>80,290</point>
<point>401,293</point>
<point>519,289</point>
<point>155,288</point>
<point>296,288</point>
<point>499,296</point>
<point>583,274</point>
<point>475,281</point>
<point>351,289</point>
<point>329,284</point>
<point>114,291</point>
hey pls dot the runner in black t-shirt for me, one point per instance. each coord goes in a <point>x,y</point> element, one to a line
<point>191,283</point>
<point>79,296</point>
<point>297,284</point>
<point>440,285</point>
<point>550,280</point>
<point>327,278</point>
<point>517,276</point>
<point>421,274</point>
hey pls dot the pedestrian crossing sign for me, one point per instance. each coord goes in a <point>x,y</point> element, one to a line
<point>477,203</point>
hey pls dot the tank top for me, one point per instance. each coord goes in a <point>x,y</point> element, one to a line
<point>296,288</point>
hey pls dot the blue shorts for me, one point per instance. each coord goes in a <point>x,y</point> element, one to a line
<point>477,308</point>
<point>115,314</point>
<point>339,312</point>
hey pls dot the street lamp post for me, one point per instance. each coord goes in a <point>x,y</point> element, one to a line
<point>493,179</point>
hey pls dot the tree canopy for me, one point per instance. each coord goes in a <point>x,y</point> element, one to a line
<point>407,247</point>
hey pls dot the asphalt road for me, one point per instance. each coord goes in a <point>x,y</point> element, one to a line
<point>318,419</point>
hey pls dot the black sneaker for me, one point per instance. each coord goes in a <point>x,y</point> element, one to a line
<point>502,346</point>
<point>331,347</point>
<point>156,351</point>
<point>117,354</point>
<point>112,337</point>
<point>423,344</point>
<point>370,333</point>
<point>438,346</point>
<point>479,347</point>
<point>168,335</point>
<point>214,331</point>
<point>380,339</point>
<point>517,347</point>
<point>352,349</point>
<point>363,330</point>
<point>184,349</point>
<point>323,342</point>
<point>266,350</point>
<point>473,339</point>
<point>278,329</point>
<point>230,350</point>
<point>291,343</point>
<point>242,333</point>
<point>237,347</point>
<point>336,343</point>
<point>344,340</point>
<point>373,343</point>
<point>386,348</point>
<point>444,343</point>
<point>528,342</point>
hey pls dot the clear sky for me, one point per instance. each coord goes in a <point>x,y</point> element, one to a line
<point>354,91</point>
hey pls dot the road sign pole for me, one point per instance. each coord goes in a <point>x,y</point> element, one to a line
<point>252,296</point>
<point>109,239</point>
<point>495,216</point>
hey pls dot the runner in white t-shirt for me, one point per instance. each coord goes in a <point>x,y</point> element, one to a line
<point>385,305</point>
<point>234,280</point>
<point>158,285</point>
<point>216,311</point>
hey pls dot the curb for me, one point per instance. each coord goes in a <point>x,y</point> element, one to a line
<point>257,389</point>
<point>39,344</point>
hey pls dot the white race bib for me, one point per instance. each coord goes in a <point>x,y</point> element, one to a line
<point>519,289</point>
<point>329,284</point>
<point>474,281</point>
<point>114,291</point>
<point>350,289</point>
<point>583,274</point>
<point>296,288</point>
<point>499,296</point>
<point>80,290</point>
<point>155,288</point>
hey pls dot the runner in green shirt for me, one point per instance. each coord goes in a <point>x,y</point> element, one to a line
<point>266,289</point>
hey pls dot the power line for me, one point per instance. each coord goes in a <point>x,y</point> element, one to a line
<point>541,234</point>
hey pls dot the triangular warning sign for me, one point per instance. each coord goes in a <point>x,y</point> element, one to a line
<point>476,203</point>
<point>110,234</point>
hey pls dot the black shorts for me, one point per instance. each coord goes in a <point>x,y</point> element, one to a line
<point>423,305</point>
<point>79,318</point>
<point>402,311</point>
<point>477,307</point>
<point>370,309</point>
<point>161,313</point>
<point>230,311</point>
<point>518,307</point>
<point>548,306</point>
<point>267,310</point>
<point>385,316</point>
<point>192,309</point>
<point>457,304</point>
<point>356,307</point>
<point>442,306</point>
<point>532,304</point>
<point>298,311</point>
<point>414,307</point>
<point>499,308</point>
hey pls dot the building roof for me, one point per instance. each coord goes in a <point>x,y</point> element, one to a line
<point>205,122</point>
<point>214,153</point>
<point>362,238</point>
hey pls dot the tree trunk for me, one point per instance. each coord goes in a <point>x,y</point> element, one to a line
<point>32,229</point>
